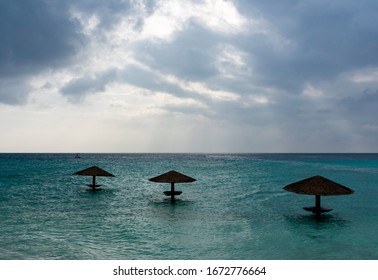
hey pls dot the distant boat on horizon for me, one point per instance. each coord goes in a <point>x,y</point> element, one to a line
<point>77,156</point>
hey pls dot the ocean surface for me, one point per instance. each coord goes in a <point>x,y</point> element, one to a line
<point>236,209</point>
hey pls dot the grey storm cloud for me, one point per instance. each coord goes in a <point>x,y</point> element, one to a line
<point>108,12</point>
<point>292,70</point>
<point>190,55</point>
<point>363,107</point>
<point>78,88</point>
<point>40,35</point>
<point>35,36</point>
<point>326,38</point>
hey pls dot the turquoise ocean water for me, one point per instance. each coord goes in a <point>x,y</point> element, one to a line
<point>236,209</point>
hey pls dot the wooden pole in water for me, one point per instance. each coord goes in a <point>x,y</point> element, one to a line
<point>172,192</point>
<point>94,183</point>
<point>317,206</point>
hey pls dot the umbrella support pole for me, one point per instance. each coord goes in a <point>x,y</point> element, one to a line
<point>93,171</point>
<point>93,183</point>
<point>93,186</point>
<point>172,192</point>
<point>317,206</point>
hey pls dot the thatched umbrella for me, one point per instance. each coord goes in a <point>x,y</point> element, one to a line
<point>318,186</point>
<point>172,177</point>
<point>94,171</point>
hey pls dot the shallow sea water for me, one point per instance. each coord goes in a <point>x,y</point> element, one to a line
<point>236,209</point>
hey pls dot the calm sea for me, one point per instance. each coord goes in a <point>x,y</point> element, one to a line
<point>236,209</point>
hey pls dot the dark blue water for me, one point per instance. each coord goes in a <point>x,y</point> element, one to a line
<point>236,209</point>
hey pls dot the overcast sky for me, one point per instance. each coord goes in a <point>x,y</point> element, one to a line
<point>189,76</point>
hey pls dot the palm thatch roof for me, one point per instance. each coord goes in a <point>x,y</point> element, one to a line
<point>318,185</point>
<point>172,177</point>
<point>94,171</point>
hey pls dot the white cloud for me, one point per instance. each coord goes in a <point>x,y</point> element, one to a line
<point>226,75</point>
<point>168,18</point>
<point>88,22</point>
<point>202,89</point>
<point>221,16</point>
<point>232,62</point>
<point>173,16</point>
<point>312,92</point>
<point>369,75</point>
<point>261,100</point>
